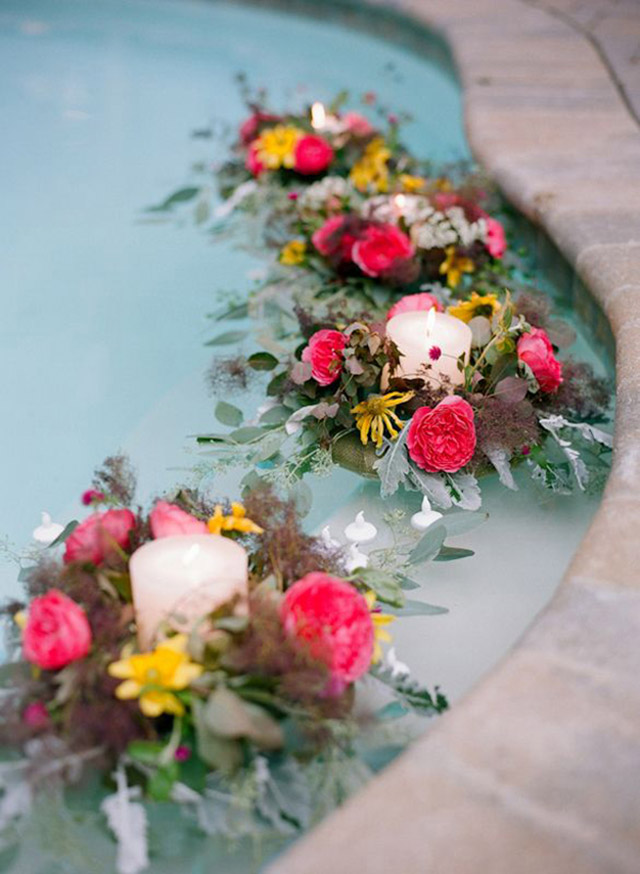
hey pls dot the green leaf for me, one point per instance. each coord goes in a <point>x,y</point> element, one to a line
<point>275,416</point>
<point>247,434</point>
<point>220,753</point>
<point>413,607</point>
<point>429,546</point>
<point>230,312</point>
<point>228,414</point>
<point>393,467</point>
<point>227,338</point>
<point>161,783</point>
<point>387,587</point>
<point>460,523</point>
<point>68,529</point>
<point>228,716</point>
<point>202,211</point>
<point>181,196</point>
<point>451,553</point>
<point>269,446</point>
<point>145,751</point>
<point>262,361</point>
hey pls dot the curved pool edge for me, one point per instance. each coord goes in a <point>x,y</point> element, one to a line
<point>535,770</point>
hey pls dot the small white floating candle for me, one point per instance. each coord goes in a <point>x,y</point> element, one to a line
<point>429,338</point>
<point>47,531</point>
<point>360,531</point>
<point>426,517</point>
<point>318,116</point>
<point>328,540</point>
<point>183,578</point>
<point>355,559</point>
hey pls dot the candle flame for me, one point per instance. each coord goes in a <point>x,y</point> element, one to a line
<point>431,320</point>
<point>399,201</point>
<point>191,554</point>
<point>318,116</point>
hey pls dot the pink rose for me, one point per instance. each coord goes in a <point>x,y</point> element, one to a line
<point>168,520</point>
<point>324,353</point>
<point>332,618</point>
<point>443,438</point>
<point>312,155</point>
<point>250,127</point>
<point>380,249</point>
<point>357,124</point>
<point>536,351</point>
<point>57,632</point>
<point>36,715</point>
<point>496,241</point>
<point>253,163</point>
<point>411,303</point>
<point>98,536</point>
<point>334,240</point>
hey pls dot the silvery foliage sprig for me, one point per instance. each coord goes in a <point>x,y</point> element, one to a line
<point>567,437</point>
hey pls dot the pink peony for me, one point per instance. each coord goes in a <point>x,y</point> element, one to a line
<point>411,303</point>
<point>358,124</point>
<point>253,163</point>
<point>312,155</point>
<point>324,353</point>
<point>168,520</point>
<point>442,437</point>
<point>536,351</point>
<point>36,715</point>
<point>333,240</point>
<point>98,535</point>
<point>333,619</point>
<point>57,632</point>
<point>381,248</point>
<point>496,240</point>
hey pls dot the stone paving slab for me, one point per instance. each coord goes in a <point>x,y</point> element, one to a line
<point>537,770</point>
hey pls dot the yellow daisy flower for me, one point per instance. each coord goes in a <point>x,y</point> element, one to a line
<point>380,623</point>
<point>151,676</point>
<point>371,171</point>
<point>376,413</point>
<point>454,266</point>
<point>293,253</point>
<point>477,305</point>
<point>275,147</point>
<point>412,184</point>
<point>236,521</point>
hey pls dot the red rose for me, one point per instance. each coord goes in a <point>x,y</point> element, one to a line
<point>312,155</point>
<point>442,438</point>
<point>536,351</point>
<point>253,163</point>
<point>168,520</point>
<point>324,353</point>
<point>57,632</point>
<point>381,249</point>
<point>332,618</point>
<point>334,239</point>
<point>415,303</point>
<point>98,536</point>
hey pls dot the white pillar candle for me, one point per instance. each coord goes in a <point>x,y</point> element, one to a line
<point>429,338</point>
<point>183,578</point>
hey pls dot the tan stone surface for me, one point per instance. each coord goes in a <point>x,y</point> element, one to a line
<point>537,771</point>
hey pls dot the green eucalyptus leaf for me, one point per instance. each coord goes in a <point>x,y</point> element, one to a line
<point>451,553</point>
<point>146,751</point>
<point>68,529</point>
<point>227,338</point>
<point>413,607</point>
<point>262,361</point>
<point>429,546</point>
<point>228,414</point>
<point>461,523</point>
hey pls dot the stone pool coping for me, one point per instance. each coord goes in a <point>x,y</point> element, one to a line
<point>537,769</point>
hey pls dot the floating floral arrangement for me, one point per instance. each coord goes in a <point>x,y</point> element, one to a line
<point>204,654</point>
<point>403,340</point>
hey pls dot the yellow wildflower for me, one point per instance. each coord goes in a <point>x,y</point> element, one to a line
<point>454,266</point>
<point>412,184</point>
<point>236,521</point>
<point>275,147</point>
<point>20,618</point>
<point>371,171</point>
<point>477,305</point>
<point>443,184</point>
<point>152,677</point>
<point>380,622</point>
<point>376,413</point>
<point>293,253</point>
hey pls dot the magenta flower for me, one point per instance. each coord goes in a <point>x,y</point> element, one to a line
<point>435,352</point>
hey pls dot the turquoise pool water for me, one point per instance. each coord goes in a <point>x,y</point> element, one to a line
<point>104,314</point>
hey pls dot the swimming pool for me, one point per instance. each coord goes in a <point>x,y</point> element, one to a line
<point>100,100</point>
